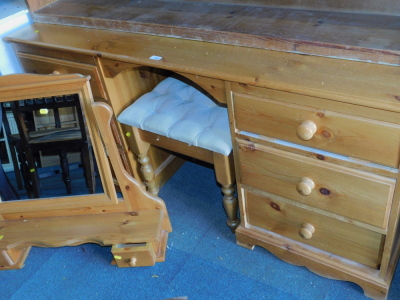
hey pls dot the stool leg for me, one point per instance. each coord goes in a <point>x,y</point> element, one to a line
<point>141,148</point>
<point>230,203</point>
<point>148,173</point>
<point>225,174</point>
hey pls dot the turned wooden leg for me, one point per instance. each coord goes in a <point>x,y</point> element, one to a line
<point>225,174</point>
<point>230,203</point>
<point>141,148</point>
<point>148,173</point>
<point>65,171</point>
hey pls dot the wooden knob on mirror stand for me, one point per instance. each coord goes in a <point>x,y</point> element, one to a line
<point>133,261</point>
<point>305,186</point>
<point>306,130</point>
<point>306,231</point>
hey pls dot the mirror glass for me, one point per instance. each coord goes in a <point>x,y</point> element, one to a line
<point>46,150</point>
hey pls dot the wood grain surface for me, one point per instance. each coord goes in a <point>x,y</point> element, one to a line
<point>355,82</point>
<point>106,229</point>
<point>356,195</point>
<point>337,237</point>
<point>321,29</point>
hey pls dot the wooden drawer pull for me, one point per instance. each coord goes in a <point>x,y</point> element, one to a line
<point>306,130</point>
<point>133,262</point>
<point>306,231</point>
<point>305,186</point>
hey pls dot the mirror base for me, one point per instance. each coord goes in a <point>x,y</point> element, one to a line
<point>132,229</point>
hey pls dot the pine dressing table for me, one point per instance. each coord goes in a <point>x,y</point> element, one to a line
<point>313,96</point>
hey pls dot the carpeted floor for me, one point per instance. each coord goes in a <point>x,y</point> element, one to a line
<point>203,261</point>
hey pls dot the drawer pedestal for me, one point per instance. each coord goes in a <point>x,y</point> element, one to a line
<point>318,183</point>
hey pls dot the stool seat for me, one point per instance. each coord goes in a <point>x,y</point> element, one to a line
<point>176,110</point>
<point>179,118</point>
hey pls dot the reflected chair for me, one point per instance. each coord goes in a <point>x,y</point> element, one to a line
<point>7,191</point>
<point>178,117</point>
<point>62,140</point>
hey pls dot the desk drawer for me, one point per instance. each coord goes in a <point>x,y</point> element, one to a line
<point>44,65</point>
<point>347,192</point>
<point>337,237</point>
<point>363,138</point>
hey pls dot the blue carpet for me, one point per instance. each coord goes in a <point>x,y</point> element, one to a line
<point>203,261</point>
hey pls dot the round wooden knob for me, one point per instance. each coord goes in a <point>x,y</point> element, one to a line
<point>306,231</point>
<point>133,261</point>
<point>305,186</point>
<point>306,130</point>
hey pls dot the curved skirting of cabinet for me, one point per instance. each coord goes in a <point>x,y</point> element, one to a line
<point>321,263</point>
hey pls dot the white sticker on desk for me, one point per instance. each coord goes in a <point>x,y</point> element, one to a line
<point>155,57</point>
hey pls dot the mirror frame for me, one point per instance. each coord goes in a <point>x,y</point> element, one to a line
<point>26,86</point>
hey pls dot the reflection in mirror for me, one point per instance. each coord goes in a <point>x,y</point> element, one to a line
<point>46,150</point>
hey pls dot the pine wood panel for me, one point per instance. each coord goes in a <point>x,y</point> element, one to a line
<point>53,53</point>
<point>350,193</point>
<point>354,82</point>
<point>43,65</point>
<point>105,229</point>
<point>289,29</point>
<point>320,155</point>
<point>331,235</point>
<point>338,133</point>
<point>301,98</point>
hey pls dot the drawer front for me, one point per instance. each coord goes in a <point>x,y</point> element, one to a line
<point>374,141</point>
<point>350,193</point>
<point>44,65</point>
<point>328,234</point>
<point>134,255</point>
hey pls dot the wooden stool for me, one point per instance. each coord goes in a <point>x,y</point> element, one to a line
<point>178,117</point>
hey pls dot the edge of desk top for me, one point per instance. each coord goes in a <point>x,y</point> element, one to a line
<point>357,82</point>
<point>355,36</point>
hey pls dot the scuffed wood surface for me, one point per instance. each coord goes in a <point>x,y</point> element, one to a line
<point>328,33</point>
<point>391,7</point>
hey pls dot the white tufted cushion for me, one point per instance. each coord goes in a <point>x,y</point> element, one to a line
<point>179,111</point>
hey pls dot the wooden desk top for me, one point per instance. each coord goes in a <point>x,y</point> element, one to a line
<point>371,84</point>
<point>369,36</point>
